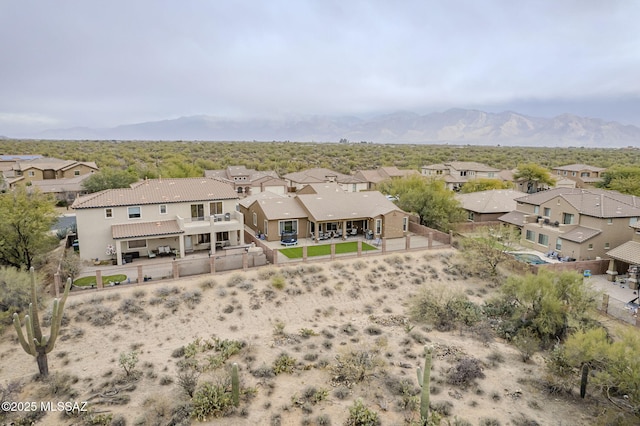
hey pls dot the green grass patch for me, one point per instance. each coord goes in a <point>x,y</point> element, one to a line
<point>325,249</point>
<point>91,280</point>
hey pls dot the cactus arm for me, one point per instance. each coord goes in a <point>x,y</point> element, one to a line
<point>235,384</point>
<point>33,307</point>
<point>56,320</point>
<point>21,339</point>
<point>420,378</point>
<point>30,339</point>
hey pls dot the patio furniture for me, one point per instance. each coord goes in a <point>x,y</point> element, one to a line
<point>151,254</point>
<point>165,251</point>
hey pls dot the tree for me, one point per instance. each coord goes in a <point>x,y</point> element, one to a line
<point>429,198</point>
<point>26,220</point>
<point>14,294</point>
<point>484,184</point>
<point>109,179</point>
<point>489,247</point>
<point>548,304</point>
<point>534,176</point>
<point>624,179</point>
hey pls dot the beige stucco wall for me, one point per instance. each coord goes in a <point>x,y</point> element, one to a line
<point>69,173</point>
<point>392,224</point>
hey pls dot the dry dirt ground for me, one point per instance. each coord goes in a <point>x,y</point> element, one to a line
<point>322,314</point>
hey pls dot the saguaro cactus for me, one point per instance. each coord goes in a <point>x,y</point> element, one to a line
<point>235,384</point>
<point>36,344</point>
<point>584,377</point>
<point>424,377</point>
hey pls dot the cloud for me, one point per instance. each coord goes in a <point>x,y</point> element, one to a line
<point>103,63</point>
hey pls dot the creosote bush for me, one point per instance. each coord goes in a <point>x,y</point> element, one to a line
<point>444,310</point>
<point>465,372</point>
<point>360,415</point>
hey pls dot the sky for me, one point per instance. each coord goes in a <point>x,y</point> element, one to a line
<point>102,63</point>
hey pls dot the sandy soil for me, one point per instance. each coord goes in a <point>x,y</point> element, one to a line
<point>324,312</point>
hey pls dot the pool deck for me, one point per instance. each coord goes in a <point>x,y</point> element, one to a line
<point>541,255</point>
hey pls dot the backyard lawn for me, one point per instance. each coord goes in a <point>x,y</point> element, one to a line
<point>91,280</point>
<point>325,249</point>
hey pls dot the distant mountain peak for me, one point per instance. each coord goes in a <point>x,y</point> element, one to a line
<point>455,125</point>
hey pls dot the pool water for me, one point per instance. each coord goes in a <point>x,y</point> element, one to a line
<point>529,258</point>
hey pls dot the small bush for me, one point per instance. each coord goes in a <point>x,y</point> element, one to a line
<point>211,400</point>
<point>465,372</point>
<point>284,364</point>
<point>278,282</point>
<point>360,415</point>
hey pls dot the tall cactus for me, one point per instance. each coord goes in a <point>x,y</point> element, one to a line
<point>235,384</point>
<point>584,377</point>
<point>36,344</point>
<point>424,377</point>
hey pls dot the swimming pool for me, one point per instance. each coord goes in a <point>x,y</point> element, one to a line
<point>529,258</point>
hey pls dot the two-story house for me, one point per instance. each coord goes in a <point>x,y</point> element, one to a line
<point>158,216</point>
<point>576,223</point>
<point>457,173</point>
<point>487,206</point>
<point>299,180</point>
<point>625,259</point>
<point>583,175</point>
<point>324,210</point>
<point>38,169</point>
<point>249,181</point>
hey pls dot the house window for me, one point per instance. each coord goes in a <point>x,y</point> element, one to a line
<point>470,216</point>
<point>610,221</point>
<point>564,172</point>
<point>491,174</point>
<point>222,236</point>
<point>405,224</point>
<point>108,213</point>
<point>215,208</point>
<point>163,209</point>
<point>288,226</point>
<point>266,227</point>
<point>607,246</point>
<point>584,174</point>
<point>137,244</point>
<point>378,226</point>
<point>633,221</point>
<point>558,244</point>
<point>76,172</point>
<point>536,209</point>
<point>573,174</point>
<point>547,212</point>
<point>204,238</point>
<point>590,247</point>
<point>255,219</point>
<point>31,173</point>
<point>567,219</point>
<point>134,212</point>
<point>530,236</point>
<point>543,239</point>
<point>197,211</point>
<point>354,187</point>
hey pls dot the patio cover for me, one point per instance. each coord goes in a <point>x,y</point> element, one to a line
<point>145,229</point>
<point>628,252</point>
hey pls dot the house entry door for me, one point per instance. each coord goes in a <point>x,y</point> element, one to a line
<point>188,245</point>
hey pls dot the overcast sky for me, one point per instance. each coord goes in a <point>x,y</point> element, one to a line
<point>104,63</point>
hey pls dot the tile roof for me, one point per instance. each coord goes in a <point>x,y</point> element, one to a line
<point>471,165</point>
<point>491,201</point>
<point>327,206</point>
<point>282,208</point>
<point>230,172</point>
<point>590,202</point>
<point>265,195</point>
<point>145,229</point>
<point>61,185</point>
<point>320,175</point>
<point>580,234</point>
<point>383,173</point>
<point>515,218</point>
<point>579,168</point>
<point>628,252</point>
<point>159,191</point>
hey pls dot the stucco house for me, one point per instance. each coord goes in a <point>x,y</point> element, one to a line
<point>158,217</point>
<point>375,176</point>
<point>583,175</point>
<point>486,206</point>
<point>299,180</point>
<point>321,211</point>
<point>576,223</point>
<point>457,173</point>
<point>65,190</point>
<point>625,259</point>
<point>43,168</point>
<point>249,181</point>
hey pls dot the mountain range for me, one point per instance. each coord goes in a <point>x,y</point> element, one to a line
<point>454,126</point>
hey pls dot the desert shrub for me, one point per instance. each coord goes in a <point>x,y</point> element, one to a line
<point>485,421</point>
<point>98,315</point>
<point>278,282</point>
<point>211,401</point>
<point>265,274</point>
<point>465,372</point>
<point>207,284</point>
<point>166,380</point>
<point>495,358</point>
<point>360,415</point>
<point>128,362</point>
<point>355,366</point>
<point>307,332</point>
<point>60,386</point>
<point>443,408</point>
<point>236,279</point>
<point>284,364</point>
<point>444,310</point>
<point>188,381</point>
<point>192,298</point>
<point>263,371</point>
<point>527,343</point>
<point>131,306</point>
<point>15,294</point>
<point>164,292</point>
